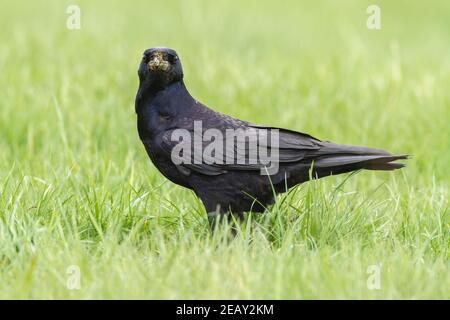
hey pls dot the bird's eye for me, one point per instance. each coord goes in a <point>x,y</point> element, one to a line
<point>173,58</point>
<point>144,58</point>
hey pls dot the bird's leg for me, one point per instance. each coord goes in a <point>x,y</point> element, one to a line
<point>213,218</point>
<point>217,217</point>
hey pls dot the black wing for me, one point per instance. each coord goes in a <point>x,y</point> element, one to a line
<point>291,147</point>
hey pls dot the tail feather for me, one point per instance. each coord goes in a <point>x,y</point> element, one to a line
<point>334,159</point>
<point>368,162</point>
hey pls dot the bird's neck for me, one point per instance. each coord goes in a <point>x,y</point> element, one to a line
<point>148,95</point>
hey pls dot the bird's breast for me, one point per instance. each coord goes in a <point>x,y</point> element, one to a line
<point>151,122</point>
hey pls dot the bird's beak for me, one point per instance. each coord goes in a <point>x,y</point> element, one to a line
<point>157,62</point>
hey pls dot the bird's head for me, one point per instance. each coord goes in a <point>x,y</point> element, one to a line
<point>159,68</point>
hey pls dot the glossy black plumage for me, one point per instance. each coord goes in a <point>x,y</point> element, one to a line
<point>163,104</point>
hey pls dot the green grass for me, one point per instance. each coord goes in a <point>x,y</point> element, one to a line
<point>76,187</point>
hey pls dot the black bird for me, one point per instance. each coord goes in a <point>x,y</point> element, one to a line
<point>163,105</point>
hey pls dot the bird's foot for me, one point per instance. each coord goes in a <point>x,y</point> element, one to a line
<point>216,219</point>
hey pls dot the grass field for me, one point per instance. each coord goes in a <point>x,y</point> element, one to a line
<point>78,195</point>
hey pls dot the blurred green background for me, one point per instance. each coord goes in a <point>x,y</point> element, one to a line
<point>76,187</point>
